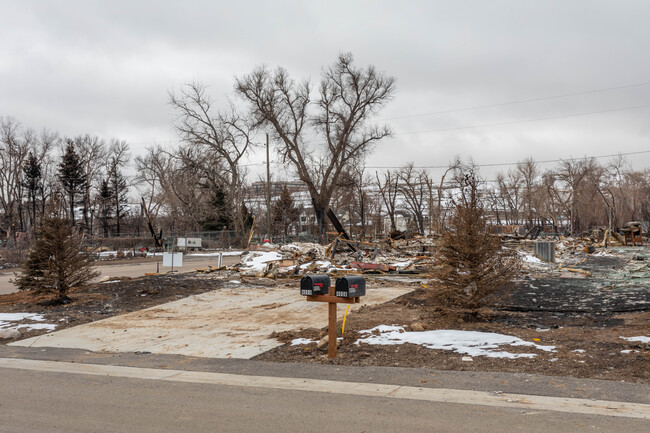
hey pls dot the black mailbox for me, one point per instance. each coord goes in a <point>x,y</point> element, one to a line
<point>314,285</point>
<point>350,287</point>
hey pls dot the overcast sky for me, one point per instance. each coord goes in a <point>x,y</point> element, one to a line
<point>105,68</point>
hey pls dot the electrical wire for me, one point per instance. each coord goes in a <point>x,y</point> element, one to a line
<point>520,101</point>
<point>538,119</point>
<point>501,164</point>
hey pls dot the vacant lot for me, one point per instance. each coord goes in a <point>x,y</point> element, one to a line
<point>586,316</point>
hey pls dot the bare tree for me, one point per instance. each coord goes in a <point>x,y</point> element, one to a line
<point>388,189</point>
<point>574,175</point>
<point>153,169</point>
<point>529,173</point>
<point>92,153</point>
<point>454,165</point>
<point>15,145</point>
<point>225,136</point>
<point>347,98</point>
<point>509,195</point>
<point>117,159</point>
<point>414,186</point>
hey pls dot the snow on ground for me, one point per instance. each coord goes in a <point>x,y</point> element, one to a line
<point>466,342</point>
<point>202,254</point>
<point>531,259</point>
<point>298,341</point>
<point>215,254</point>
<point>639,338</point>
<point>6,320</point>
<point>322,264</point>
<point>257,260</point>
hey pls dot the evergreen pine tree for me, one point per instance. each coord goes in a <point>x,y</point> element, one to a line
<point>118,188</point>
<point>55,262</point>
<point>219,215</point>
<point>105,204</point>
<point>471,264</point>
<point>284,212</point>
<point>72,176</point>
<point>33,182</point>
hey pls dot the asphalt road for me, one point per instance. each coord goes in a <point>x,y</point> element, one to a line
<point>125,269</point>
<point>100,398</point>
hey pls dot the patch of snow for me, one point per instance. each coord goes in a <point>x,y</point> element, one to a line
<point>639,338</point>
<point>6,320</point>
<point>531,259</point>
<point>579,351</point>
<point>257,260</point>
<point>298,341</point>
<point>16,317</point>
<point>402,265</point>
<point>32,326</point>
<point>321,264</point>
<point>111,281</point>
<point>215,254</point>
<point>234,282</point>
<point>470,343</point>
<point>626,351</point>
<point>604,254</point>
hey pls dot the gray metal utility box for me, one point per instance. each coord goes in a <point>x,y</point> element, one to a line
<point>311,285</point>
<point>350,286</point>
<point>545,250</point>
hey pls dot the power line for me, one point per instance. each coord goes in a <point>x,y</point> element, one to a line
<point>515,163</point>
<point>521,101</point>
<point>538,119</point>
<point>491,105</point>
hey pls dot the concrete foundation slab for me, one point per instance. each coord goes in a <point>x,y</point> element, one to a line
<point>225,323</point>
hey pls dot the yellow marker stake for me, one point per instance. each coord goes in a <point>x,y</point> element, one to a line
<point>345,317</point>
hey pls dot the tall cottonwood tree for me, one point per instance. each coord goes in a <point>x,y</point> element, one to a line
<point>92,154</point>
<point>15,144</point>
<point>222,138</point>
<point>414,187</point>
<point>322,137</point>
<point>388,189</point>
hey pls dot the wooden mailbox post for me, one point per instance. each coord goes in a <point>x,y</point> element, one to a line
<point>347,290</point>
<point>331,324</point>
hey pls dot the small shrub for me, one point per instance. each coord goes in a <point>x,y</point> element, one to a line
<point>471,264</point>
<point>55,262</point>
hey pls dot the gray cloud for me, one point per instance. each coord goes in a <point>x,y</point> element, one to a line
<point>105,68</point>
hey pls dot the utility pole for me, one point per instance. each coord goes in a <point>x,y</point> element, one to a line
<point>268,190</point>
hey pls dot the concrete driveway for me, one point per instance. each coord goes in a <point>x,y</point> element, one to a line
<point>234,322</point>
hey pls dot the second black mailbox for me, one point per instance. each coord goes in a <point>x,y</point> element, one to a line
<point>311,285</point>
<point>350,287</point>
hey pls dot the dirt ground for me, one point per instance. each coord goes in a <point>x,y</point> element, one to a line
<point>596,339</point>
<point>101,300</point>
<point>587,337</point>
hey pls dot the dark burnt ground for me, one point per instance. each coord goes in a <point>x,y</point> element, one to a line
<point>616,285</point>
<point>102,300</point>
